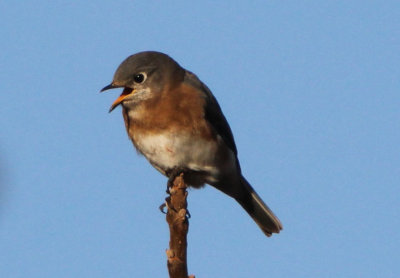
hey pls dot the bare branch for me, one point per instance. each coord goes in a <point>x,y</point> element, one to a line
<point>177,218</point>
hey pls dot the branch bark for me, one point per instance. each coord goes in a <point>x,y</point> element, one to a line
<point>177,218</point>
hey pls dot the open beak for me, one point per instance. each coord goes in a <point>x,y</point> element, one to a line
<point>109,87</point>
<point>126,92</point>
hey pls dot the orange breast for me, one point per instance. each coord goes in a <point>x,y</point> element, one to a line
<point>178,110</point>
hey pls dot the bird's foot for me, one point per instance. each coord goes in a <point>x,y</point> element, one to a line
<point>164,205</point>
<point>172,174</point>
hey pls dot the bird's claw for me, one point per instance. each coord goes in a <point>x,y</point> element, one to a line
<point>162,207</point>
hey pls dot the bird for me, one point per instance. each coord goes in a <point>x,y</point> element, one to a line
<point>176,123</point>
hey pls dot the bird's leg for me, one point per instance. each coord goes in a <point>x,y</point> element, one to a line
<point>172,174</point>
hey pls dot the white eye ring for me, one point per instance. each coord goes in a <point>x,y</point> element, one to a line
<point>139,77</point>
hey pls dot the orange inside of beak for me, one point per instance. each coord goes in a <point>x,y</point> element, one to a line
<point>126,92</point>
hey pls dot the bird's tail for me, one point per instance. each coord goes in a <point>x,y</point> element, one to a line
<point>258,210</point>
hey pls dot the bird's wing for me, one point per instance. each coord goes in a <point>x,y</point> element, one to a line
<point>213,112</point>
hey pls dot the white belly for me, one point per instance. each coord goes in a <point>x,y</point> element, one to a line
<point>169,151</point>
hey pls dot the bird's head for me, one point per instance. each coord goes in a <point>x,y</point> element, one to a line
<point>144,75</point>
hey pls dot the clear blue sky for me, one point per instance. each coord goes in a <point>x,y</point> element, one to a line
<point>310,89</point>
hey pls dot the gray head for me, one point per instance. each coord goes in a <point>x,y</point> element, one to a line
<point>144,74</point>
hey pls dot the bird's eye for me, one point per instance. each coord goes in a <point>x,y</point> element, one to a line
<point>139,77</point>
